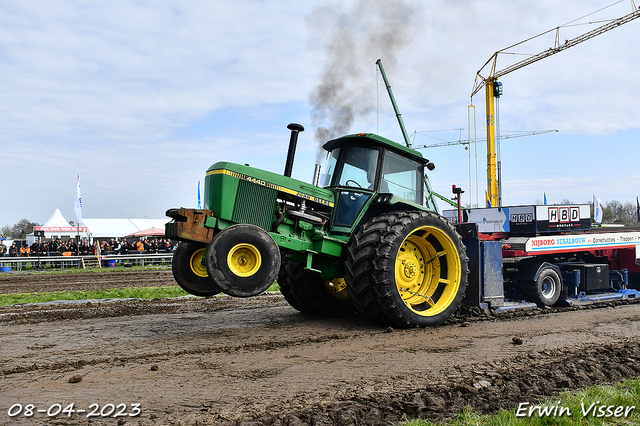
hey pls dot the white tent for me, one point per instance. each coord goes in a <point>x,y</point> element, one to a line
<point>58,227</point>
<point>56,220</point>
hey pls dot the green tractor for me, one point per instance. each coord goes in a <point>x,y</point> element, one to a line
<point>366,239</point>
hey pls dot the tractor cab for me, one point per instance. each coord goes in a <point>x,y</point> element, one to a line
<point>361,166</point>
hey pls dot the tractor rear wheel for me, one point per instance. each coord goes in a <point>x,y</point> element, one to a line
<point>407,269</point>
<point>308,293</point>
<point>243,260</point>
<point>190,272</point>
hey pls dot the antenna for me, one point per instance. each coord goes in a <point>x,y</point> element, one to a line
<point>395,106</point>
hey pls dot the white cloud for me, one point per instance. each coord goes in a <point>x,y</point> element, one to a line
<point>111,90</point>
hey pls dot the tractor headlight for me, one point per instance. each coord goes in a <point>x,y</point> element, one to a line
<point>383,198</point>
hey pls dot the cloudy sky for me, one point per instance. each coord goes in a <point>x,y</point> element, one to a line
<point>139,98</point>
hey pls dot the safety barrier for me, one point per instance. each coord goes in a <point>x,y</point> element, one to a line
<point>34,263</point>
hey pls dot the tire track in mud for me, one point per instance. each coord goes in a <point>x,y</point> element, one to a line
<point>153,356</point>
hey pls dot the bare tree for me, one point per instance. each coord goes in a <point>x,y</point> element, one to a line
<point>20,230</point>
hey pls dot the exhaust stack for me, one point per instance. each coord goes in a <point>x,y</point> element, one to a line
<point>293,143</point>
<point>316,175</point>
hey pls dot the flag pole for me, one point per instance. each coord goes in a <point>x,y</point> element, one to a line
<point>78,211</point>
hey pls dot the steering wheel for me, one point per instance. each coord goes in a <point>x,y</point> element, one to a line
<point>353,195</point>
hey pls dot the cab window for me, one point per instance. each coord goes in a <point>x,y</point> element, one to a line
<point>358,168</point>
<point>330,167</point>
<point>401,177</point>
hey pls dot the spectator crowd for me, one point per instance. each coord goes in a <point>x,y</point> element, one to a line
<point>58,247</point>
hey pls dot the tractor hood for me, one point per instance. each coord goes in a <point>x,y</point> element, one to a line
<point>270,180</point>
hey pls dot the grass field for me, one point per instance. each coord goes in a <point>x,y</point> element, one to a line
<point>114,293</point>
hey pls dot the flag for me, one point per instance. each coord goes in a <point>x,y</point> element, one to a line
<point>545,198</point>
<point>199,195</point>
<point>597,210</point>
<point>78,205</point>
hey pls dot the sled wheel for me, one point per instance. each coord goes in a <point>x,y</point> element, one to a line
<point>243,260</point>
<point>307,292</point>
<point>545,289</point>
<point>190,272</point>
<point>408,269</point>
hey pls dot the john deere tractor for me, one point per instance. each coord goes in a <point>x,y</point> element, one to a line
<point>367,238</point>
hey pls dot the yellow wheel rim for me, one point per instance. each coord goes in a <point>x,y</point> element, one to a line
<point>428,270</point>
<point>244,259</point>
<point>196,262</point>
<point>337,287</point>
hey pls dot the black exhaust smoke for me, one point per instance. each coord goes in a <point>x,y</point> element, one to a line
<point>293,143</point>
<point>353,34</point>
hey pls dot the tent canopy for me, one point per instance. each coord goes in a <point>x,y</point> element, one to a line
<point>57,226</point>
<point>56,220</point>
<point>118,228</point>
<point>158,232</point>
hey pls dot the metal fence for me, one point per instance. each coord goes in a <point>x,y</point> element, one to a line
<point>9,264</point>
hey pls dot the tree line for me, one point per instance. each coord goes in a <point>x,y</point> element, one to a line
<point>616,212</point>
<point>19,231</point>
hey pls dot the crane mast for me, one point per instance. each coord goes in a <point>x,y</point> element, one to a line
<point>493,89</point>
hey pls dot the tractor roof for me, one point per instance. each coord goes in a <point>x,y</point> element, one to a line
<point>373,140</point>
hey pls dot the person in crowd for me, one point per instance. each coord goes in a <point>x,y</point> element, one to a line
<point>3,249</point>
<point>52,247</point>
<point>13,250</point>
<point>35,248</point>
<point>25,251</point>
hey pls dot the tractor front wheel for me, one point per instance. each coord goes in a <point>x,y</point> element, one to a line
<point>243,260</point>
<point>190,271</point>
<point>408,269</point>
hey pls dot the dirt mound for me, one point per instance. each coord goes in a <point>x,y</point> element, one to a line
<point>488,388</point>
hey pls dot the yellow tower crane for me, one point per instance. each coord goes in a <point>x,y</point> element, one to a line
<point>493,88</point>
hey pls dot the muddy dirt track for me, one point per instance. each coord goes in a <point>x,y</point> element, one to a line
<point>257,361</point>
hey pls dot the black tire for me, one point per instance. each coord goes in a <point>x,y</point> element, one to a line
<point>189,272</point>
<point>243,260</point>
<point>545,289</point>
<point>306,292</point>
<point>407,269</point>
